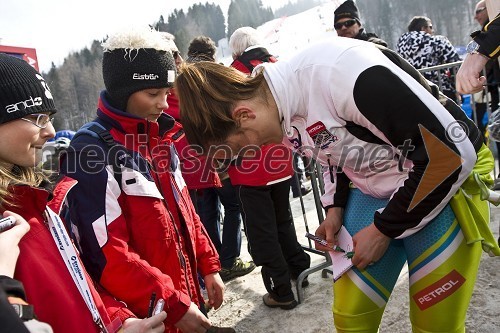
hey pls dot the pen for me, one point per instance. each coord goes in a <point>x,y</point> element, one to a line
<point>324,242</point>
<point>151,304</point>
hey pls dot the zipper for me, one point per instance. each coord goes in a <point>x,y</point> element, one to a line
<point>180,254</point>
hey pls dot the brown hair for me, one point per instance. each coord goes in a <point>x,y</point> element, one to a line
<point>418,22</point>
<point>202,48</point>
<point>207,93</point>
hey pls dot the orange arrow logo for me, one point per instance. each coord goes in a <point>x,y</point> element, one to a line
<point>442,163</point>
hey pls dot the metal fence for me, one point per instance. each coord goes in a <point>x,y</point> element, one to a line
<point>453,68</point>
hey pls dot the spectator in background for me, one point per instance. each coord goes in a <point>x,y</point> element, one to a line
<point>469,78</point>
<point>53,151</point>
<point>263,184</point>
<point>137,228</point>
<point>208,199</point>
<point>248,52</point>
<point>492,73</point>
<point>483,50</point>
<point>169,38</point>
<point>201,48</point>
<point>421,48</point>
<point>347,23</point>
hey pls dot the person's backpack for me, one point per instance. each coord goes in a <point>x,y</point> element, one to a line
<point>98,130</point>
<point>114,151</point>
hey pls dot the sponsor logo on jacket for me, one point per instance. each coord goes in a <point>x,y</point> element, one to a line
<point>320,135</point>
<point>138,76</point>
<point>439,290</point>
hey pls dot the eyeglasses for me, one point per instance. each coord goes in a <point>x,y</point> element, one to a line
<point>40,120</point>
<point>347,24</point>
<point>479,10</point>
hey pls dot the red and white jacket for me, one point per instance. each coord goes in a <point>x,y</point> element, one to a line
<point>48,284</point>
<point>142,235</point>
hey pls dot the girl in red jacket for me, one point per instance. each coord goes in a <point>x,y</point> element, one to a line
<point>56,284</point>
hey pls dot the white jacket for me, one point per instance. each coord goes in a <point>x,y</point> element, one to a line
<point>346,103</point>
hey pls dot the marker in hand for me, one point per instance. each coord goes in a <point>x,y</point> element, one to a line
<point>324,242</point>
<point>7,222</point>
<point>335,248</point>
<point>151,304</point>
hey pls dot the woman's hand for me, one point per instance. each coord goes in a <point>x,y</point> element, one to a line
<point>329,227</point>
<point>9,244</point>
<point>369,246</point>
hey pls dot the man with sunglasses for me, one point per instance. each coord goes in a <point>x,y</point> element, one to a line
<point>348,24</point>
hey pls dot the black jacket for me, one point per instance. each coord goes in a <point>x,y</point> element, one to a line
<point>370,37</point>
<point>8,317</point>
<point>488,38</point>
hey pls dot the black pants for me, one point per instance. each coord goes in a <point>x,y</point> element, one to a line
<point>271,236</point>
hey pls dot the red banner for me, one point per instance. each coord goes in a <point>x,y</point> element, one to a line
<point>25,53</point>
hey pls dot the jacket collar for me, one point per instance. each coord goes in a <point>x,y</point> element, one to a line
<point>286,91</point>
<point>27,198</point>
<point>64,185</point>
<point>127,123</point>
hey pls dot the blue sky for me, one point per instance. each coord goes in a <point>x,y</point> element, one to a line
<point>57,27</point>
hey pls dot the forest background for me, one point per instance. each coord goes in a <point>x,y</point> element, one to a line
<point>77,82</point>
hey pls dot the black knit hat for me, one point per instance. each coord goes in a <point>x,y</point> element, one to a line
<point>128,69</point>
<point>23,90</point>
<point>347,9</point>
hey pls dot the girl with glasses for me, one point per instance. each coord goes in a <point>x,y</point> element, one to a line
<point>40,120</point>
<point>52,287</point>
